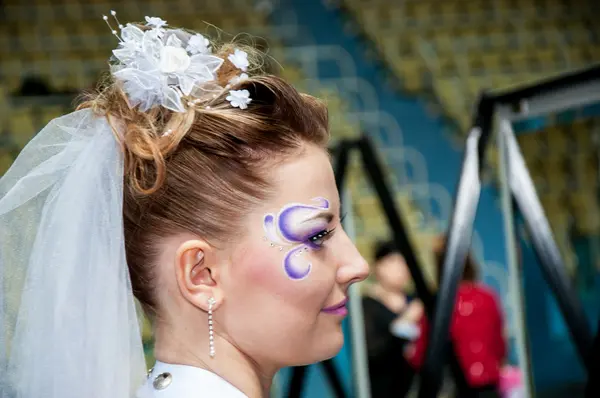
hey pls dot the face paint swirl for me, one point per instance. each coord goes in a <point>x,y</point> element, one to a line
<point>293,227</point>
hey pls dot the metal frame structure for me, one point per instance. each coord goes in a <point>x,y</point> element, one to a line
<point>547,96</point>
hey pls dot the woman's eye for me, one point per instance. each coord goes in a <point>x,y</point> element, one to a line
<point>319,239</point>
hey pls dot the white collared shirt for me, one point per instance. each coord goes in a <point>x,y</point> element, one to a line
<point>182,381</point>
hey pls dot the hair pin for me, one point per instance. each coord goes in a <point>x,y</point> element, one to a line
<point>113,31</point>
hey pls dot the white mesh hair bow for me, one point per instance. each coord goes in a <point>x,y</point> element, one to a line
<point>160,66</point>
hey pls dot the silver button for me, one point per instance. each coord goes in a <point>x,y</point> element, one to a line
<point>162,381</point>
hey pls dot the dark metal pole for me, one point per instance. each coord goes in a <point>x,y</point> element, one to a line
<point>592,389</point>
<point>400,237</point>
<point>342,154</point>
<point>332,376</point>
<point>296,382</point>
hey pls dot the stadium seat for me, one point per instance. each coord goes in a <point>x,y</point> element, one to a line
<point>21,126</point>
<point>6,160</point>
<point>557,141</point>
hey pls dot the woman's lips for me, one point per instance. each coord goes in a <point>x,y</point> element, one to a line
<point>338,309</point>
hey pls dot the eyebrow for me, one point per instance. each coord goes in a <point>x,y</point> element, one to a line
<point>327,215</point>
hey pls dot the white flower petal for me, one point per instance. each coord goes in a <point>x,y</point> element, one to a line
<point>186,84</point>
<point>173,60</point>
<point>172,99</point>
<point>198,44</point>
<point>131,33</point>
<point>155,22</point>
<point>239,98</point>
<point>238,79</point>
<point>204,66</point>
<point>142,88</point>
<point>239,59</point>
<point>174,41</point>
<point>151,45</point>
<point>124,55</point>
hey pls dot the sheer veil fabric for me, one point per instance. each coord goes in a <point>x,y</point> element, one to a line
<point>68,321</point>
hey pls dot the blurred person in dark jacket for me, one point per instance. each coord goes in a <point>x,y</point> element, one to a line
<point>390,323</point>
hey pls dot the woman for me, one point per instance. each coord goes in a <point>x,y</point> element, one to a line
<point>390,322</point>
<point>477,331</point>
<point>202,188</point>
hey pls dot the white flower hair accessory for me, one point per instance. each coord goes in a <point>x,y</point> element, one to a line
<point>239,98</point>
<point>155,22</point>
<point>239,59</point>
<point>160,66</point>
<point>238,79</point>
<point>198,44</point>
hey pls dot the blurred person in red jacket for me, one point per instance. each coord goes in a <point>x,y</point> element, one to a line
<point>476,329</point>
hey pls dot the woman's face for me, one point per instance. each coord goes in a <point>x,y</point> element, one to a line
<point>285,287</point>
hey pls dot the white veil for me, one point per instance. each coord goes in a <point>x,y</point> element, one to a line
<point>68,322</point>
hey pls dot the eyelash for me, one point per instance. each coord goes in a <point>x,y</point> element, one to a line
<point>319,239</point>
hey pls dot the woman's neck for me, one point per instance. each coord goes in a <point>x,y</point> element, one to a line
<point>189,346</point>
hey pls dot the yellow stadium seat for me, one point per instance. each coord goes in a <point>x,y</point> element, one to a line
<point>585,167</point>
<point>492,61</point>
<point>50,112</point>
<point>582,134</point>
<point>519,60</point>
<point>411,72</point>
<point>422,11</point>
<point>557,141</point>
<point>443,42</point>
<point>548,58</point>
<point>6,160</point>
<point>475,86</point>
<point>595,53</point>
<point>584,205</point>
<point>558,179</point>
<point>390,46</point>
<point>539,179</point>
<point>501,81</point>
<point>73,11</point>
<point>21,126</point>
<point>531,145</point>
<point>555,210</point>
<point>447,66</point>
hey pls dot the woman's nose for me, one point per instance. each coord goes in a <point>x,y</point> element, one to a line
<point>353,267</point>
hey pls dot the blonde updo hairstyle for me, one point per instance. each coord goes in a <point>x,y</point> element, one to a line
<point>204,175</point>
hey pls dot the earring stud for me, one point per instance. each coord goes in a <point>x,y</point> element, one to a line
<point>211,337</point>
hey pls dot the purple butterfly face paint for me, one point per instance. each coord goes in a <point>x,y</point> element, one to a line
<point>294,225</point>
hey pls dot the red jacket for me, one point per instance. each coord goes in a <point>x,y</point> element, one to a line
<point>477,335</point>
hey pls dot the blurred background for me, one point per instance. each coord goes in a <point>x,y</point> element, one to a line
<point>407,73</point>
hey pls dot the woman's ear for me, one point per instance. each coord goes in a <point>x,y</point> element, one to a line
<point>196,273</point>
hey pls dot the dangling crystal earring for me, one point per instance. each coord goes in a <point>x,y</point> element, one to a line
<point>211,337</point>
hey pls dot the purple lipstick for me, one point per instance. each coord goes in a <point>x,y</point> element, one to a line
<point>338,309</point>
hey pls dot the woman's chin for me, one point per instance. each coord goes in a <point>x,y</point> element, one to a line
<point>328,348</point>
